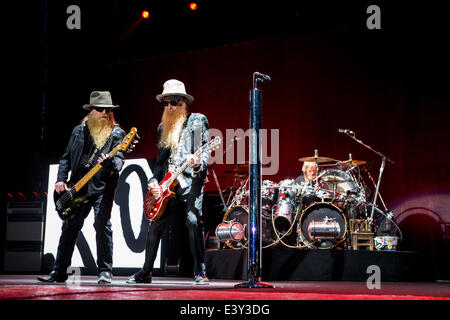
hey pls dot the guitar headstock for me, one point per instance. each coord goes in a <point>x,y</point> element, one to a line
<point>130,141</point>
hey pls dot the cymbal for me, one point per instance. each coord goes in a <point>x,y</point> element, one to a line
<point>326,164</point>
<point>316,159</point>
<point>244,165</point>
<point>236,172</point>
<point>351,163</point>
<point>335,180</point>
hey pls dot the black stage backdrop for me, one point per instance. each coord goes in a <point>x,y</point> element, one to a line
<point>329,71</point>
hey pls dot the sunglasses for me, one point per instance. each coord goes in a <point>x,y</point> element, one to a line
<point>173,102</point>
<point>100,109</point>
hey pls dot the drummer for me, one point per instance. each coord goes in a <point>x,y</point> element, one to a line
<point>307,180</point>
<point>309,173</point>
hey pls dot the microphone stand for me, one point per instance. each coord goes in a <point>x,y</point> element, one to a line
<point>375,185</point>
<point>254,240</point>
<point>383,164</point>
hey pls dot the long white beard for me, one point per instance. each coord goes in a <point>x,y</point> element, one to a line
<point>173,136</point>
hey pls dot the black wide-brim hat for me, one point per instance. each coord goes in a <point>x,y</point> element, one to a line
<point>100,99</point>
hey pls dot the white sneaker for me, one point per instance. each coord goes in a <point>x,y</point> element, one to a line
<point>104,277</point>
<point>201,278</point>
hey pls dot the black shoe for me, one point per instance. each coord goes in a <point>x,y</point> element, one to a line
<point>54,276</point>
<point>140,277</point>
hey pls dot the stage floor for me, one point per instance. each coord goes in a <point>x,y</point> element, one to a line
<point>287,264</point>
<point>26,287</point>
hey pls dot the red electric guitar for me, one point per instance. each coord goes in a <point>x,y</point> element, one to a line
<point>154,208</point>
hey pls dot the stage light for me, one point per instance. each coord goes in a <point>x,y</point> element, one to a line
<point>145,14</point>
<point>193,6</point>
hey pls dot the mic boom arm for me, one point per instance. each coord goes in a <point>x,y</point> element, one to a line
<point>351,134</point>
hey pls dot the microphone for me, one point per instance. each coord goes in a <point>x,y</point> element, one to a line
<point>264,77</point>
<point>347,131</point>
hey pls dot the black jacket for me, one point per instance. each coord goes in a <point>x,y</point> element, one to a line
<point>106,177</point>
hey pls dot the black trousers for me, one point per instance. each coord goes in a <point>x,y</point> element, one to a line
<point>102,205</point>
<point>191,206</point>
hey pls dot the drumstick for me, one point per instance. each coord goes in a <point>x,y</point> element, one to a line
<point>319,176</point>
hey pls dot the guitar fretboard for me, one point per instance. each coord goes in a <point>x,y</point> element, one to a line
<point>202,149</point>
<point>88,176</point>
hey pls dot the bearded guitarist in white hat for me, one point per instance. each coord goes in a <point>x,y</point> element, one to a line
<point>180,134</point>
<point>89,144</point>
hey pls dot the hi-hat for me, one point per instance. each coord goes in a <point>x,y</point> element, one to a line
<point>316,159</point>
<point>351,163</point>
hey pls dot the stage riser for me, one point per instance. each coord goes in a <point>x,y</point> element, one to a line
<point>285,264</point>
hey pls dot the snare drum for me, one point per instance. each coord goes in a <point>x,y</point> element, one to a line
<point>269,194</point>
<point>286,207</point>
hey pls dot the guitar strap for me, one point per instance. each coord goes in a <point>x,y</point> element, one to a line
<point>89,163</point>
<point>175,159</point>
<point>91,158</point>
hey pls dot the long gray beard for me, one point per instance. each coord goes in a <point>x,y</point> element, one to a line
<point>100,131</point>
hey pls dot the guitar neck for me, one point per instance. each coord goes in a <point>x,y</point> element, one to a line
<point>184,166</point>
<point>177,173</point>
<point>205,148</point>
<point>88,176</point>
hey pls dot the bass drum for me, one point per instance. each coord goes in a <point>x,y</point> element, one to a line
<point>240,215</point>
<point>322,225</point>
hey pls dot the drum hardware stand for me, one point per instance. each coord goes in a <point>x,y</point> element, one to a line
<point>218,188</point>
<point>387,217</point>
<point>348,171</point>
<point>236,201</point>
<point>254,230</point>
<point>334,191</point>
<point>374,184</point>
<point>351,134</point>
<point>233,187</point>
<point>301,243</point>
<point>230,195</point>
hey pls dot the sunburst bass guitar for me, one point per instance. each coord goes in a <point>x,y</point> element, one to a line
<point>154,208</point>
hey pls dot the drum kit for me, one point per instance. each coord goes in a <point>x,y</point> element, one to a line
<point>299,213</point>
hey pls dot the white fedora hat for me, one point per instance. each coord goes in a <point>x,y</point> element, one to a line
<point>174,88</point>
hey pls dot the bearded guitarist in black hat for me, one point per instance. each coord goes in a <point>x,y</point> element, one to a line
<point>89,144</point>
